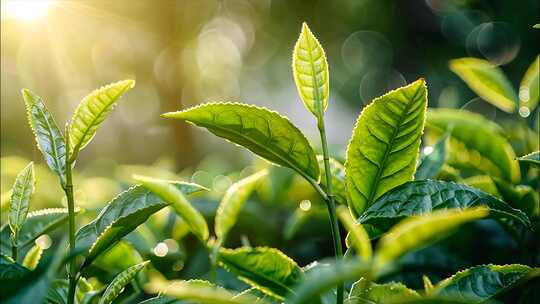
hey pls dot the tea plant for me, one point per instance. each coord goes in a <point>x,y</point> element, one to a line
<point>392,200</point>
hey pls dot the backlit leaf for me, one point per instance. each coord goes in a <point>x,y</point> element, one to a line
<point>529,87</point>
<point>48,136</point>
<point>167,191</point>
<point>532,158</point>
<point>486,80</point>
<point>266,269</point>
<point>232,203</point>
<point>198,291</point>
<point>476,142</point>
<point>415,232</point>
<point>430,164</point>
<point>119,282</point>
<point>359,237</point>
<point>379,293</point>
<point>384,146</point>
<point>339,190</point>
<point>121,216</point>
<point>32,257</point>
<point>481,283</point>
<point>92,111</point>
<point>20,199</point>
<point>264,132</point>
<point>310,71</point>
<point>420,197</point>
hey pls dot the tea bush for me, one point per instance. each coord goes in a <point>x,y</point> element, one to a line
<point>417,222</point>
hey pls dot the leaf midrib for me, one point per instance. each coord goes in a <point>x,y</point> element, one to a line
<point>19,205</point>
<point>51,137</point>
<point>318,101</point>
<point>388,149</point>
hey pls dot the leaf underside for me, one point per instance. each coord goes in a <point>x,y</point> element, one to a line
<point>264,132</point>
<point>384,147</point>
<point>431,164</point>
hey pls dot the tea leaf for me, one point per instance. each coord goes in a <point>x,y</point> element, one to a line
<point>121,216</point>
<point>530,86</point>
<point>92,111</point>
<point>338,179</point>
<point>481,283</point>
<point>475,141</point>
<point>37,223</point>
<point>428,286</point>
<point>310,71</point>
<point>486,80</point>
<point>160,300</point>
<point>266,269</point>
<point>415,232</point>
<point>532,158</point>
<point>264,132</point>
<point>360,238</point>
<point>49,138</point>
<point>232,203</point>
<point>171,194</point>
<point>324,277</point>
<point>10,271</point>
<point>379,293</point>
<point>197,291</point>
<point>20,199</point>
<point>32,257</point>
<point>431,164</point>
<point>384,146</point>
<point>419,197</point>
<point>120,281</point>
<point>522,197</point>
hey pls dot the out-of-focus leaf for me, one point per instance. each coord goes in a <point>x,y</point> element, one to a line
<point>536,26</point>
<point>430,164</point>
<point>92,111</point>
<point>481,283</point>
<point>20,199</point>
<point>529,86</point>
<point>310,71</point>
<point>324,277</point>
<point>419,197</point>
<point>232,203</point>
<point>119,257</point>
<point>171,194</point>
<point>266,269</point>
<point>48,136</point>
<point>482,182</point>
<point>359,236</point>
<point>32,257</point>
<point>384,146</point>
<point>475,141</point>
<point>37,223</point>
<point>415,232</point>
<point>160,300</point>
<point>264,132</point>
<point>338,179</point>
<point>9,270</point>
<point>486,80</point>
<point>379,293</point>
<point>532,158</point>
<point>522,197</point>
<point>198,291</point>
<point>119,282</point>
<point>428,286</point>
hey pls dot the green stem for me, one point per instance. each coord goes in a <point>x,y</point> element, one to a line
<point>68,189</point>
<point>331,203</point>
<point>14,252</point>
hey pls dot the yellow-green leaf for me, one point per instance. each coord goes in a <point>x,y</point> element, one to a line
<point>120,281</point>
<point>49,138</point>
<point>384,146</point>
<point>415,232</point>
<point>310,71</point>
<point>20,199</point>
<point>486,80</point>
<point>475,142</point>
<point>32,257</point>
<point>360,238</point>
<point>264,132</point>
<point>172,195</point>
<point>92,111</point>
<point>232,203</point>
<point>529,88</point>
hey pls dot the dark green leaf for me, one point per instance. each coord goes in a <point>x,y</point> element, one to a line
<point>48,136</point>
<point>263,132</point>
<point>419,197</point>
<point>430,164</point>
<point>384,146</point>
<point>266,269</point>
<point>532,158</point>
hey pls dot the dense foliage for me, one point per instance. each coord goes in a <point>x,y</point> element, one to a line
<point>413,217</point>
